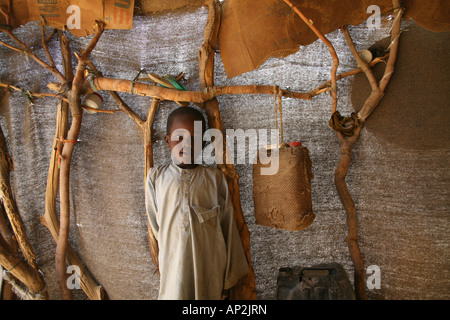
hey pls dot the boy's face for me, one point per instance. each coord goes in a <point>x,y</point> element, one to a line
<point>181,140</point>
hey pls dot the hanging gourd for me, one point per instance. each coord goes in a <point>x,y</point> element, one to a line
<point>282,200</point>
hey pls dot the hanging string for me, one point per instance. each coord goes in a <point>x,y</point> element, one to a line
<point>277,94</point>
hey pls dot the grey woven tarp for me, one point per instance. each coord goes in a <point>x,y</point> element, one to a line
<point>401,190</point>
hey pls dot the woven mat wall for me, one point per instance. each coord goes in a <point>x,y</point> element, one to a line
<point>399,176</point>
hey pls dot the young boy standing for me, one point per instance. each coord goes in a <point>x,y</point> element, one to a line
<point>191,215</point>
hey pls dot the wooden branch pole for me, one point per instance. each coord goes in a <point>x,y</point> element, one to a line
<point>64,45</point>
<point>148,133</point>
<point>395,35</point>
<point>347,143</point>
<point>334,56</point>
<point>50,218</point>
<point>6,291</point>
<point>245,289</point>
<point>363,65</point>
<point>378,88</point>
<point>66,156</point>
<point>207,94</point>
<point>61,248</point>
<point>148,149</point>
<point>197,98</point>
<point>44,44</point>
<point>6,166</point>
<point>25,271</point>
<point>53,181</point>
<point>21,270</point>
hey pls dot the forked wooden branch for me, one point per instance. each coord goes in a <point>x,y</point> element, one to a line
<point>66,156</point>
<point>23,48</point>
<point>326,85</point>
<point>347,143</point>
<point>50,218</point>
<point>378,88</point>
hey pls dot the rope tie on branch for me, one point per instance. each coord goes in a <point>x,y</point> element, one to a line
<point>346,125</point>
<point>58,151</point>
<point>94,74</point>
<point>135,79</point>
<point>28,95</point>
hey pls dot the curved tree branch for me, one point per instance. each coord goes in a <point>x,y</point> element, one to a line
<point>66,156</point>
<point>347,143</point>
<point>334,56</point>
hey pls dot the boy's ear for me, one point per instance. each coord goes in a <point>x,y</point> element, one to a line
<point>167,139</point>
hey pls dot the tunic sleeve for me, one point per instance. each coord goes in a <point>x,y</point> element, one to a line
<point>237,266</point>
<point>150,202</point>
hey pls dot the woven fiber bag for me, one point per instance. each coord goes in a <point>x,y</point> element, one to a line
<point>283,200</point>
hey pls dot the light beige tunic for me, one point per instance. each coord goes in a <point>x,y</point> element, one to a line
<point>191,215</point>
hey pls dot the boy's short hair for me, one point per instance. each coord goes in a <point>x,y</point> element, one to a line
<point>196,114</point>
